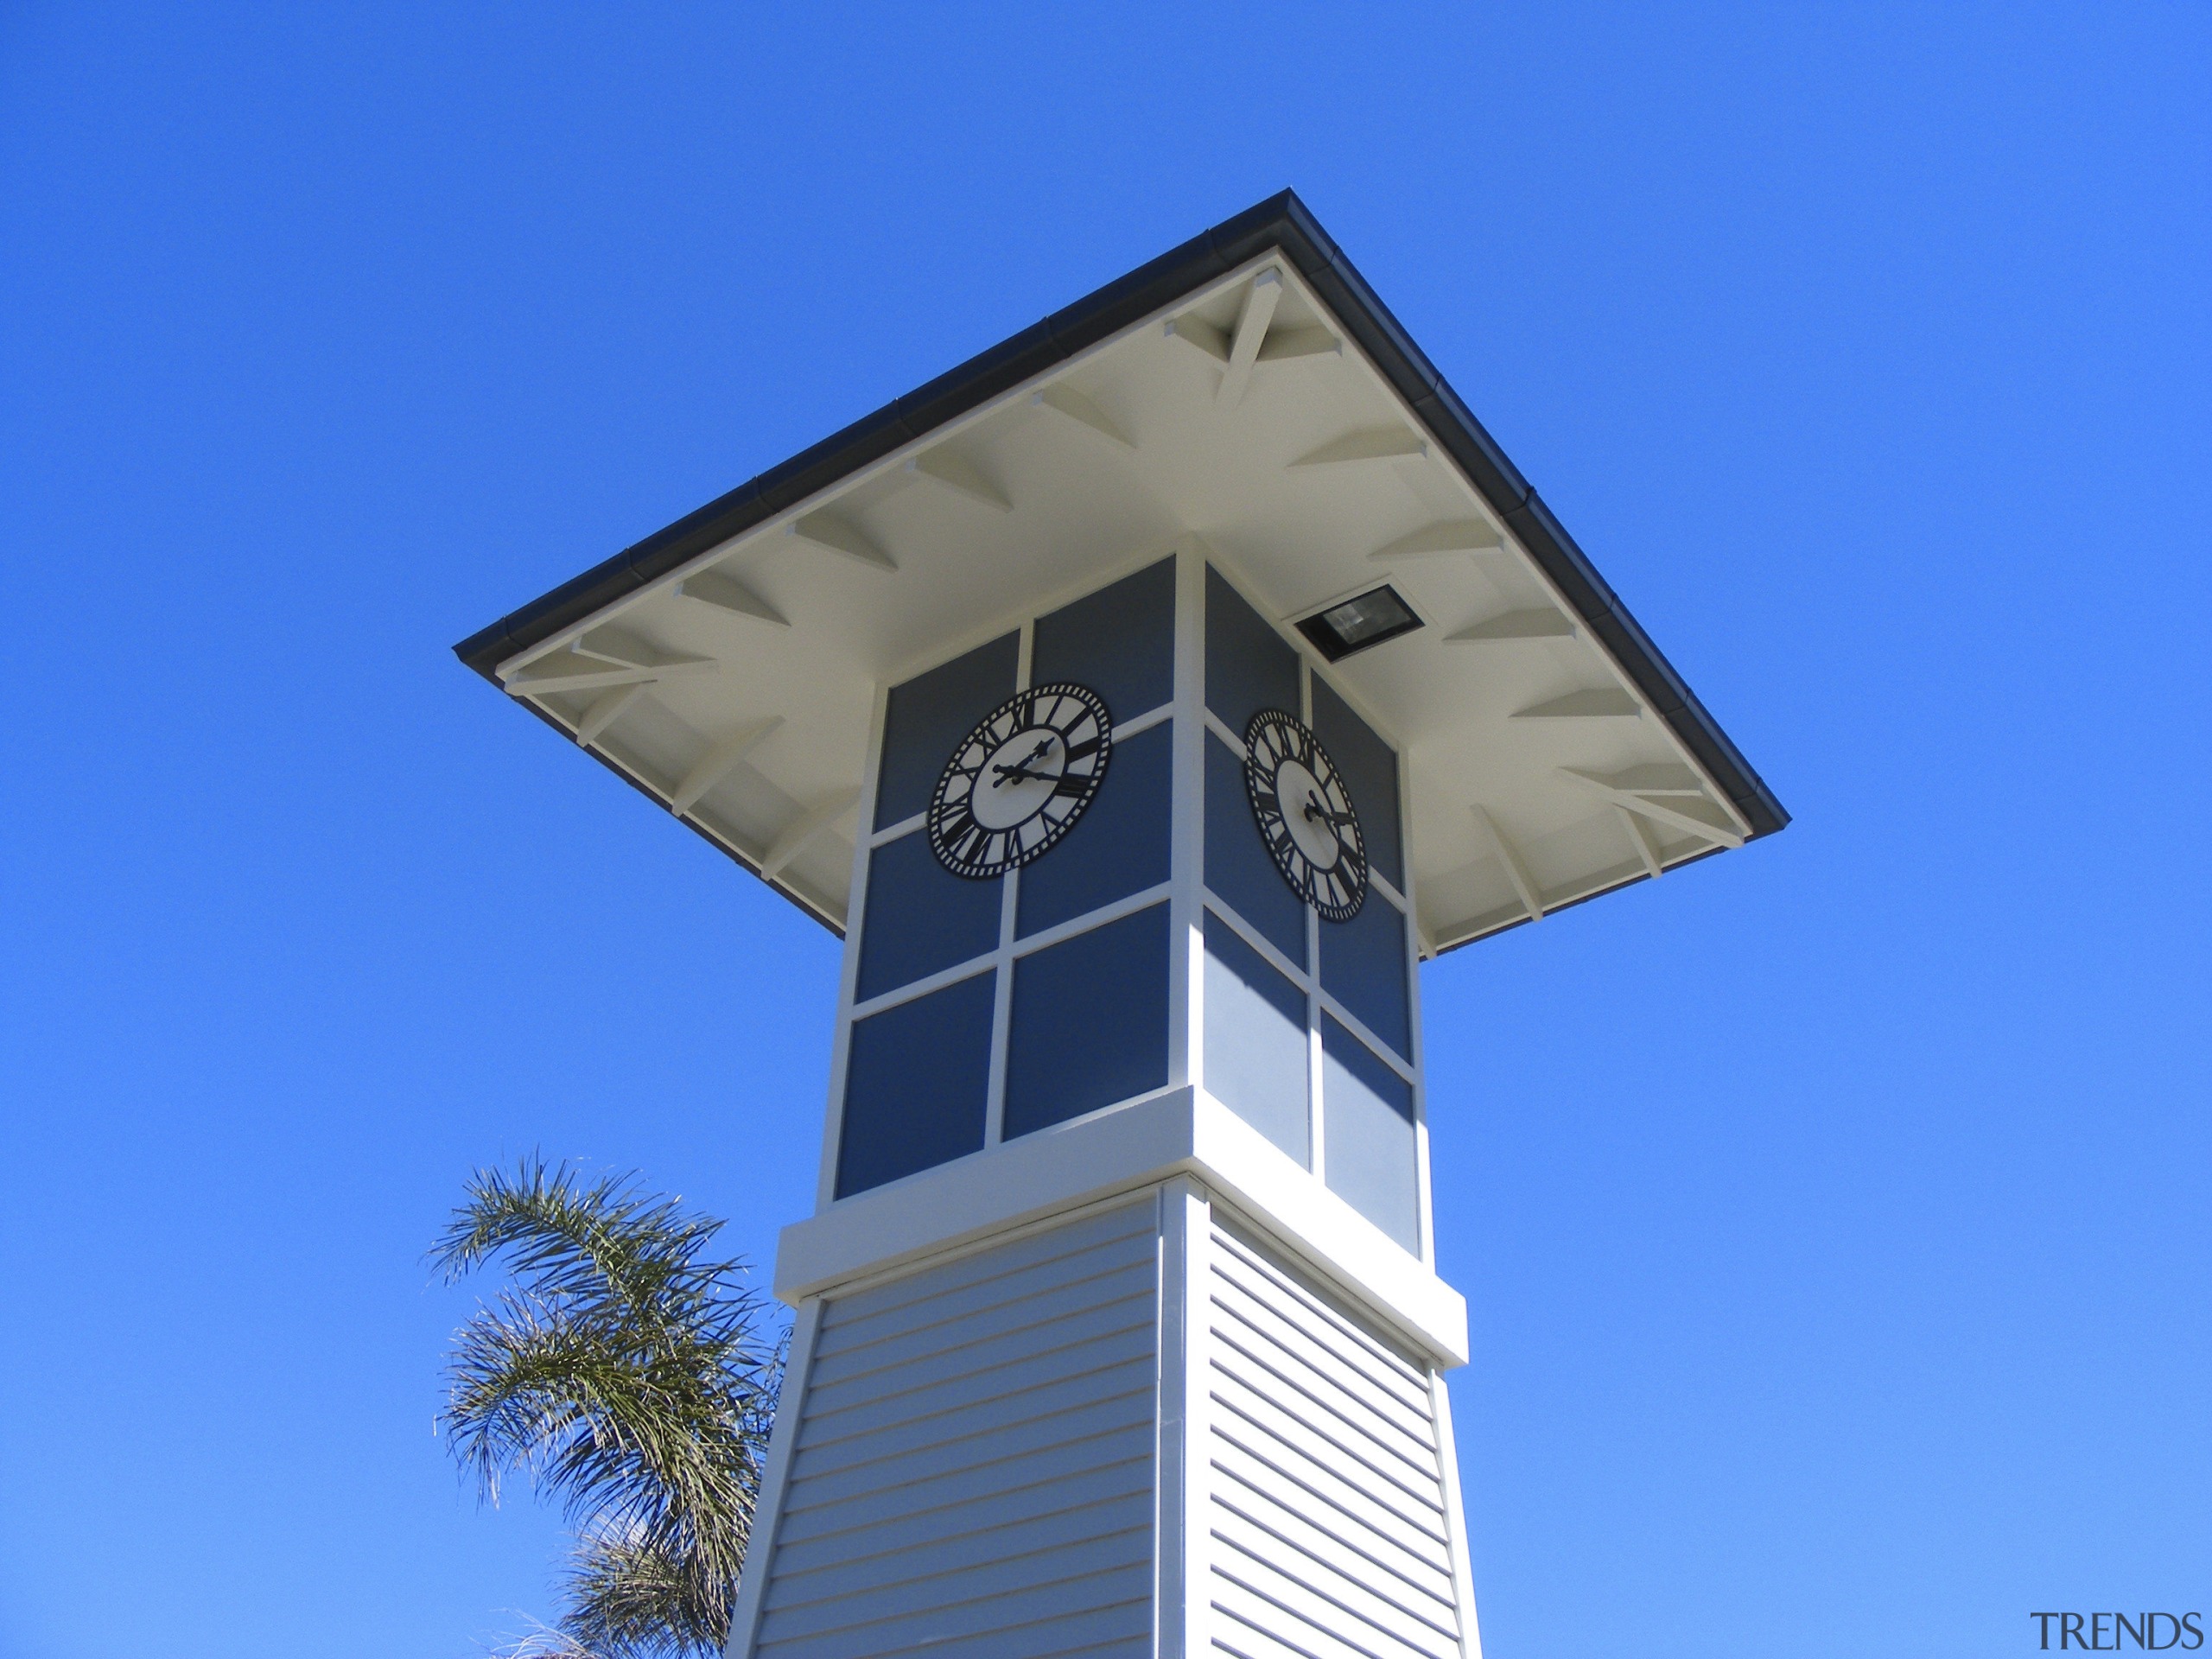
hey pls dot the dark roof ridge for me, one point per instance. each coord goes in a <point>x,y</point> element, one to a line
<point>1282,222</point>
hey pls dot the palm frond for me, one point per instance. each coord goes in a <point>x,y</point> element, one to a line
<point>627,1596</point>
<point>625,1372</point>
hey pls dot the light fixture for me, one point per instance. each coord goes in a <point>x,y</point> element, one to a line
<point>1356,624</point>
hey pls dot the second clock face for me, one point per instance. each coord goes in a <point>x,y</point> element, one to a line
<point>1020,780</point>
<point>1305,814</point>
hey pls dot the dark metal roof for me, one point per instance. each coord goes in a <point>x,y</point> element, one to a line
<point>1281,222</point>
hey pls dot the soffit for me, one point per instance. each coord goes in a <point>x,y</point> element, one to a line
<point>737,687</point>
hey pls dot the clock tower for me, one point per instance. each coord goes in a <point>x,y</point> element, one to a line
<point>1141,701</point>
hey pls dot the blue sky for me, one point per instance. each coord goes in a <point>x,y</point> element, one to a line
<point>1834,1214</point>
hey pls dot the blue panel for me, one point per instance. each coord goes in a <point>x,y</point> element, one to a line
<point>1371,772</point>
<point>917,1080</point>
<point>1248,667</point>
<point>1365,966</point>
<point>920,918</point>
<point>1256,1041</point>
<point>1089,1023</point>
<point>1119,642</point>
<point>1238,868</point>
<point>1118,846</point>
<point>929,714</point>
<point>1367,1113</point>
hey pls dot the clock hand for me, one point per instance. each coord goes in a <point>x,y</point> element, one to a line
<point>1021,769</point>
<point>1314,809</point>
<point>1023,775</point>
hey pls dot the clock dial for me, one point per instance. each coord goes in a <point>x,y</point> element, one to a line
<point>1305,815</point>
<point>1020,780</point>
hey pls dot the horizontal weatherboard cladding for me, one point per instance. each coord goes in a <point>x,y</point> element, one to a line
<point>975,1282</point>
<point>1327,1503</point>
<point>973,1470</point>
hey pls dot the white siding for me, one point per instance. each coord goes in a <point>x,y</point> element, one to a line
<point>1326,1499</point>
<point>972,1473</point>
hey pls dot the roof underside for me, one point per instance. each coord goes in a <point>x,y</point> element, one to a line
<point>1246,392</point>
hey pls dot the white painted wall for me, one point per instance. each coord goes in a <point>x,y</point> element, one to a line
<point>1138,1429</point>
<point>973,1463</point>
<point>1330,1522</point>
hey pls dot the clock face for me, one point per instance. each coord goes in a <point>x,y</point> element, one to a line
<point>1020,780</point>
<point>1305,815</point>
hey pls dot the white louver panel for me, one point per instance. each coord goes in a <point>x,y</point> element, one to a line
<point>1327,1505</point>
<point>973,1472</point>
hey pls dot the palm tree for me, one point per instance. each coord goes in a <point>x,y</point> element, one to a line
<point>626,1372</point>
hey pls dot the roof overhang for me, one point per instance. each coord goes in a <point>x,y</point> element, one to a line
<point>1246,393</point>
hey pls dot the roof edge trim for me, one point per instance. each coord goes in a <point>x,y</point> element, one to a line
<point>1282,222</point>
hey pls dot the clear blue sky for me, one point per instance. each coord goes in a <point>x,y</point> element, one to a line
<point>1834,1214</point>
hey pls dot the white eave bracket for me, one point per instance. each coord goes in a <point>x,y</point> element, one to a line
<point>1449,537</point>
<point>1067,401</point>
<point>826,530</point>
<point>1540,623</point>
<point>948,467</point>
<point>1254,341</point>
<point>725,592</point>
<point>1367,444</point>
<point>1600,703</point>
<point>719,760</point>
<point>607,656</point>
<point>803,831</point>
<point>1524,884</point>
<point>1672,795</point>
